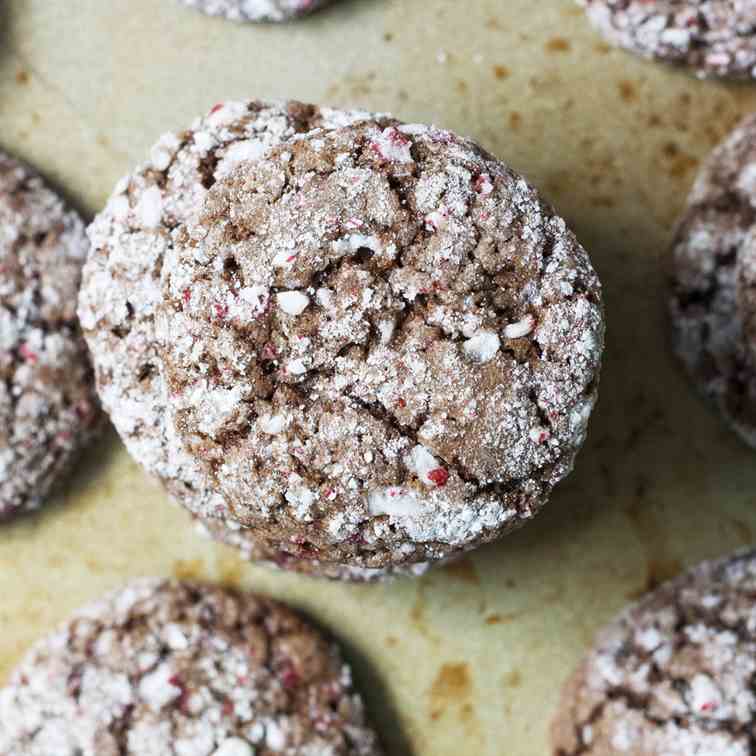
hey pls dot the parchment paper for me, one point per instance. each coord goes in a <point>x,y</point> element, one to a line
<point>470,658</point>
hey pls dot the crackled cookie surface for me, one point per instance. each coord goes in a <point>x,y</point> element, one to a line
<point>175,669</point>
<point>712,302</point>
<point>256,10</point>
<point>715,37</point>
<point>673,675</point>
<point>47,399</point>
<point>122,283</point>
<point>380,345</point>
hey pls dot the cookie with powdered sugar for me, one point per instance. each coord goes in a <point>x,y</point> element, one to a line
<point>174,668</point>
<point>122,287</point>
<point>713,270</point>
<point>714,37</point>
<point>48,406</point>
<point>257,10</point>
<point>380,345</point>
<point>673,675</point>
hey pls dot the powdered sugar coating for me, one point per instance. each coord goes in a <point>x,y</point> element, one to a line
<point>48,406</point>
<point>252,549</point>
<point>715,37</point>
<point>393,444</point>
<point>710,255</point>
<point>673,675</point>
<point>256,10</point>
<point>122,284</point>
<point>177,669</point>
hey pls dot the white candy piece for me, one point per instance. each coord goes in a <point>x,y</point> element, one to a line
<point>422,462</point>
<point>150,208</point>
<point>293,302</point>
<point>483,346</point>
<point>398,503</point>
<point>272,424</point>
<point>234,747</point>
<point>521,328</point>
<point>156,690</point>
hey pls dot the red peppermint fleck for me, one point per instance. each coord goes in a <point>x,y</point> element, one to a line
<point>186,295</point>
<point>396,137</point>
<point>83,409</point>
<point>483,184</point>
<point>73,684</point>
<point>401,403</point>
<point>439,476</point>
<point>709,706</point>
<point>27,354</point>
<point>282,558</point>
<point>63,438</point>
<point>269,353</point>
<point>183,699</point>
<point>290,678</point>
<point>221,310</point>
<point>228,708</point>
<point>216,108</point>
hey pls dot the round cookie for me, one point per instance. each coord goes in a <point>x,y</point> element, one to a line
<point>380,345</point>
<point>173,668</point>
<point>256,10</point>
<point>714,37</point>
<point>122,284</point>
<point>673,675</point>
<point>48,406</point>
<point>710,251</point>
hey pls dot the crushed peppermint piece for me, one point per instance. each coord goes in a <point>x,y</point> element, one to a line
<point>293,302</point>
<point>520,328</point>
<point>483,346</point>
<point>393,145</point>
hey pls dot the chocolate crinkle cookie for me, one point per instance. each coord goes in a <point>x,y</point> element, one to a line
<point>175,669</point>
<point>673,675</point>
<point>370,347</point>
<point>713,301</point>
<point>714,37</point>
<point>48,405</point>
<point>257,10</point>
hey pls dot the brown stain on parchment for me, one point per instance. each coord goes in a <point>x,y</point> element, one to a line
<point>679,163</point>
<point>451,686</point>
<point>417,613</point>
<point>558,45</point>
<point>661,566</point>
<point>464,570</point>
<point>513,679</point>
<point>627,90</point>
<point>452,694</point>
<point>188,569</point>
<point>230,572</point>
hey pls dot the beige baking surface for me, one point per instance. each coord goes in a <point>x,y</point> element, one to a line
<point>469,659</point>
